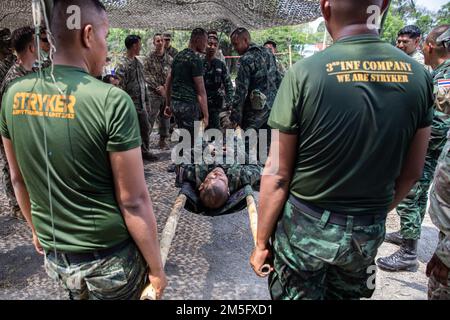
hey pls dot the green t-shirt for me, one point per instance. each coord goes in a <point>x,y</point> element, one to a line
<point>355,107</point>
<point>186,66</point>
<point>81,122</point>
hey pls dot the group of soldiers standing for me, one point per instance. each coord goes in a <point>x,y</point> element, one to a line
<point>351,147</point>
<point>195,84</point>
<point>413,208</point>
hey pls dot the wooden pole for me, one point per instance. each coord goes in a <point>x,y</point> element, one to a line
<point>168,234</point>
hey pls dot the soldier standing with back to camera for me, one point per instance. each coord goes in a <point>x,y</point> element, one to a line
<point>326,199</point>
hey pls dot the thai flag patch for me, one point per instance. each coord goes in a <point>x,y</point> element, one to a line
<point>444,83</point>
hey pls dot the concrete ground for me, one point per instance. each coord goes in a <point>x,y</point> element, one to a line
<point>208,259</point>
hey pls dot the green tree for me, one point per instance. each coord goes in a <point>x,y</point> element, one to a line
<point>403,12</point>
<point>425,23</point>
<point>392,25</point>
<point>443,16</point>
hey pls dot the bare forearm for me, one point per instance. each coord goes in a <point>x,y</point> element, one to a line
<point>402,187</point>
<point>23,200</point>
<point>141,224</point>
<point>273,196</point>
<point>203,102</point>
<point>413,165</point>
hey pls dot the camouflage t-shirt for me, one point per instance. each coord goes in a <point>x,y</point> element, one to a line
<point>257,84</point>
<point>5,65</point>
<point>172,52</point>
<point>16,71</point>
<point>440,193</point>
<point>418,56</point>
<point>186,66</point>
<point>156,70</point>
<point>132,80</point>
<point>355,108</point>
<point>441,121</point>
<point>441,78</point>
<point>217,80</point>
<point>239,170</point>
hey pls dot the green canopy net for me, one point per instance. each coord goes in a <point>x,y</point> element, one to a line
<point>223,15</point>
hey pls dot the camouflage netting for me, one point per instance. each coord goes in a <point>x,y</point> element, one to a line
<point>185,14</point>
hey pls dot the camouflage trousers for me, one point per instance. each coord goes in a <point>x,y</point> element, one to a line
<point>120,276</point>
<point>412,209</point>
<point>186,113</point>
<point>260,146</point>
<point>255,119</point>
<point>215,107</point>
<point>146,118</point>
<point>317,260</point>
<point>436,290</point>
<point>7,184</point>
<point>158,104</point>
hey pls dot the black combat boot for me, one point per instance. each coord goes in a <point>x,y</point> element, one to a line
<point>405,259</point>
<point>394,238</point>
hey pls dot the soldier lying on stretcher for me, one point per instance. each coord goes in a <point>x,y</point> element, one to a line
<point>217,181</point>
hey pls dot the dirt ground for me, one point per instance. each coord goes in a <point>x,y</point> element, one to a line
<point>208,259</point>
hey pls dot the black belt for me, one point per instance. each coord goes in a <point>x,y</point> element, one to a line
<point>336,218</point>
<point>82,257</point>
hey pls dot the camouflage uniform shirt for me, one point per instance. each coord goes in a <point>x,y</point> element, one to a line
<point>16,71</point>
<point>172,52</point>
<point>5,65</point>
<point>257,84</point>
<point>156,70</point>
<point>281,68</point>
<point>441,121</point>
<point>440,193</point>
<point>217,78</point>
<point>238,174</point>
<point>418,56</point>
<point>132,80</point>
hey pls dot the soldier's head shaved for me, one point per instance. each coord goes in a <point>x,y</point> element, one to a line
<point>241,39</point>
<point>343,15</point>
<point>214,192</point>
<point>436,46</point>
<point>439,37</point>
<point>214,196</point>
<point>80,29</point>
<point>65,14</point>
<point>241,33</point>
<point>199,40</point>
